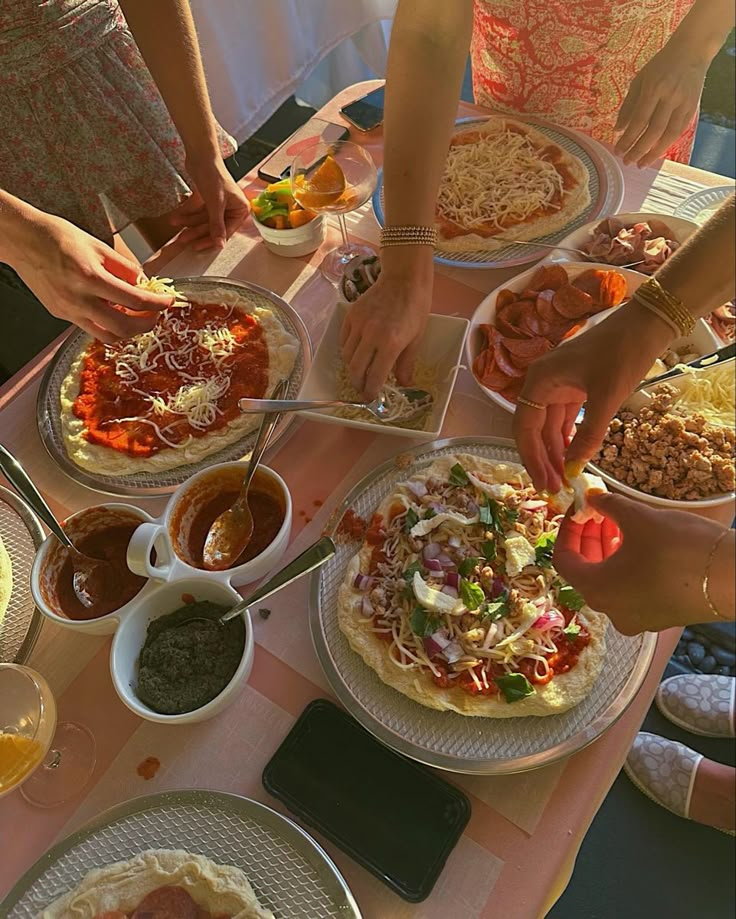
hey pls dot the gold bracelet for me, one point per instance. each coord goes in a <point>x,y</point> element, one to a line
<point>669,308</point>
<point>409,236</point>
<point>706,576</point>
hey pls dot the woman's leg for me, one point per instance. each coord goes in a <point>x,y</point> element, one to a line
<point>713,800</point>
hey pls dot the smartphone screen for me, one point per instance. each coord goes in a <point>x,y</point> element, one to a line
<point>277,165</point>
<point>393,816</point>
<point>366,113</point>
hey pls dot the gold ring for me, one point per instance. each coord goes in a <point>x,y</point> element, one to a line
<point>531,404</point>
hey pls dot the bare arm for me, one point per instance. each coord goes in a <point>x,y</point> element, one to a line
<point>429,47</point>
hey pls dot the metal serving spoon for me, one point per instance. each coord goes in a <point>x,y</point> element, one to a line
<point>91,575</point>
<point>231,532</point>
<point>420,401</point>
<point>313,557</point>
<point>584,255</point>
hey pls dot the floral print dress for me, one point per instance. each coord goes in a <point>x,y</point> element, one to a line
<point>84,132</point>
<point>570,62</point>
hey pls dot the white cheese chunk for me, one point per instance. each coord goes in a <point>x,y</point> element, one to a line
<point>426,526</point>
<point>519,553</point>
<point>432,599</point>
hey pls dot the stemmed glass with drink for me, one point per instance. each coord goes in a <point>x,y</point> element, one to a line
<point>50,762</point>
<point>335,178</point>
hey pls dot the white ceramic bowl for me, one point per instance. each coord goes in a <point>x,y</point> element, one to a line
<point>442,347</point>
<point>168,535</point>
<point>293,243</point>
<point>131,635</point>
<point>51,554</point>
<point>681,230</point>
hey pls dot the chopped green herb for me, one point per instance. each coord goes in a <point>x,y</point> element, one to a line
<point>571,631</point>
<point>411,520</point>
<point>458,476</point>
<point>411,571</point>
<point>569,598</point>
<point>486,513</point>
<point>471,594</point>
<point>497,516</point>
<point>488,548</point>
<point>422,623</point>
<point>496,609</point>
<point>468,566</point>
<point>429,514</point>
<point>544,549</point>
<point>514,686</point>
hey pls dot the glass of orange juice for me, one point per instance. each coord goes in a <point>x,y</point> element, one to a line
<point>50,762</point>
<point>335,178</point>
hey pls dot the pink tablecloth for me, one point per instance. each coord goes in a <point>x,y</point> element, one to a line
<point>519,848</point>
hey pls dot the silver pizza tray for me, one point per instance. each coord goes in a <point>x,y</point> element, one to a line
<point>48,406</point>
<point>447,740</point>
<point>21,533</point>
<point>605,182</point>
<point>291,875</point>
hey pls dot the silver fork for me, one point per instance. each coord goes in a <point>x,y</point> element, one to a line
<point>585,256</point>
<point>420,401</point>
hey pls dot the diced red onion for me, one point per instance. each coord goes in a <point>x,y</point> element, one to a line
<point>473,508</point>
<point>452,579</point>
<point>417,488</point>
<point>432,647</point>
<point>550,619</point>
<point>434,565</point>
<point>366,607</point>
<point>431,551</point>
<point>534,505</point>
<point>454,541</point>
<point>438,508</point>
<point>450,591</point>
<point>363,582</point>
<point>498,587</point>
<point>453,652</point>
<point>444,559</point>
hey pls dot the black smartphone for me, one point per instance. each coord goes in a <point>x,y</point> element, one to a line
<point>366,113</point>
<point>391,815</point>
<point>277,165</point>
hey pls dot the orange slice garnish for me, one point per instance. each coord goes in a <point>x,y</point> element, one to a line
<point>323,187</point>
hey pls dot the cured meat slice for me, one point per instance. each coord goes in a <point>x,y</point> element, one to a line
<point>509,319</point>
<point>505,297</point>
<point>549,277</point>
<point>504,361</point>
<point>492,376</point>
<point>572,302</point>
<point>545,307</point>
<point>513,390</point>
<point>524,351</point>
<point>613,290</point>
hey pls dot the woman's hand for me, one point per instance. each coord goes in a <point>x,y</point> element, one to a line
<point>216,208</point>
<point>643,566</point>
<point>661,102</point>
<point>383,329</point>
<point>82,280</point>
<point>600,368</point>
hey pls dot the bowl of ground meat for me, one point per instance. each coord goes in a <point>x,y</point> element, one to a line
<point>669,454</point>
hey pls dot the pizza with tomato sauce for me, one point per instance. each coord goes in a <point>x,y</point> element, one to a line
<point>454,602</point>
<point>161,884</point>
<point>506,178</point>
<point>169,397</point>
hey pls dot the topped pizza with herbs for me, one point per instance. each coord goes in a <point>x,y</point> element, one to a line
<point>453,599</point>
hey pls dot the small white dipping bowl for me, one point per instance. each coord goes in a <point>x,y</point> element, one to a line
<point>131,635</point>
<point>293,243</point>
<point>51,555</point>
<point>168,536</point>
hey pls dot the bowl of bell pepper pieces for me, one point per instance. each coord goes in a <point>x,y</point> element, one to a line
<point>286,227</point>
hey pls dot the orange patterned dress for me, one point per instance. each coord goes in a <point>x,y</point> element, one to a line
<point>570,62</point>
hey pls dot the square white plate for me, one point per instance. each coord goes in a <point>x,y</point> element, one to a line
<point>442,347</point>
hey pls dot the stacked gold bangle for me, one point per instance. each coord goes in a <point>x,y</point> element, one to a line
<point>706,576</point>
<point>408,236</point>
<point>669,308</point>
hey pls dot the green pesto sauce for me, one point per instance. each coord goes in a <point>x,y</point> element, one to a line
<point>183,668</point>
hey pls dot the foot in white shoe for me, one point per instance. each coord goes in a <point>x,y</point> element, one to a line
<point>665,771</point>
<point>702,703</point>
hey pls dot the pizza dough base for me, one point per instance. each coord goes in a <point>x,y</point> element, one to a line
<point>6,581</point>
<point>123,885</point>
<point>563,692</point>
<point>574,201</point>
<point>283,349</point>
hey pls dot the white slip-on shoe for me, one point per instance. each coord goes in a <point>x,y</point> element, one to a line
<point>664,770</point>
<point>702,703</point>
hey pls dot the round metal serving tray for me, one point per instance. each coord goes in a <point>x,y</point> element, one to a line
<point>21,533</point>
<point>290,873</point>
<point>605,181</point>
<point>701,205</point>
<point>48,407</point>
<point>482,746</point>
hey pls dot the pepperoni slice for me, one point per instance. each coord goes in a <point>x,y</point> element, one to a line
<point>524,351</point>
<point>167,903</point>
<point>531,324</point>
<point>545,307</point>
<point>529,293</point>
<point>613,289</point>
<point>504,298</point>
<point>488,372</point>
<point>556,332</point>
<point>513,390</point>
<point>504,361</point>
<point>549,277</point>
<point>572,303</point>
<point>508,320</point>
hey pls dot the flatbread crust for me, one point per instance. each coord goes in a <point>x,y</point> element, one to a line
<point>575,199</point>
<point>563,692</point>
<point>6,581</point>
<point>283,349</point>
<point>123,885</point>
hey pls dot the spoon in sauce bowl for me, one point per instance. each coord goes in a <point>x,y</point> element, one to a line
<point>230,533</point>
<point>92,576</point>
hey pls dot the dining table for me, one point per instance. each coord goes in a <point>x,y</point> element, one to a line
<point>518,850</point>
